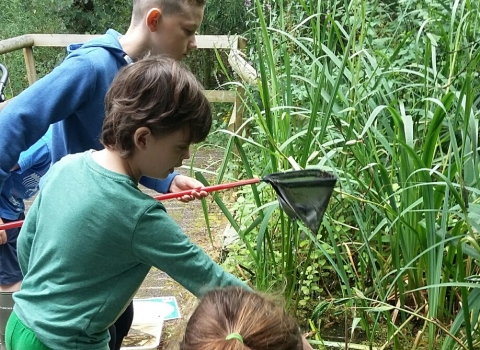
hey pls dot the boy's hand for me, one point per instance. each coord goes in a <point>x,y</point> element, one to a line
<point>183,183</point>
<point>306,344</point>
<point>3,234</point>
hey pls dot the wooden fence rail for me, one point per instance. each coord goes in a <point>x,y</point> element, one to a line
<point>222,42</point>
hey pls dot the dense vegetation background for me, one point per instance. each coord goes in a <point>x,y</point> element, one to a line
<point>383,94</point>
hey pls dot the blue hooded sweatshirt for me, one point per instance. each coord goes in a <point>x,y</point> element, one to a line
<point>71,96</point>
<point>23,183</point>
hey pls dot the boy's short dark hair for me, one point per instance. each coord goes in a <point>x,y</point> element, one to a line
<point>168,7</point>
<point>157,92</point>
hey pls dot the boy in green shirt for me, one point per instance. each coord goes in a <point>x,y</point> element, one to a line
<point>71,99</point>
<point>91,235</point>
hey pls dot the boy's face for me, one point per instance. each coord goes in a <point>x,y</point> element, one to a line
<point>162,155</point>
<point>175,34</point>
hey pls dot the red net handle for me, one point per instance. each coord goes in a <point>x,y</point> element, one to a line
<point>161,197</point>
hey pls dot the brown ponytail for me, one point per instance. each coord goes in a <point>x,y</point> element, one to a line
<point>261,323</point>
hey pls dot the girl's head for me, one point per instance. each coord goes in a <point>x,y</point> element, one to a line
<point>238,319</point>
<point>159,94</point>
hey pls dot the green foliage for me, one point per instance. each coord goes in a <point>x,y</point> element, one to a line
<point>19,17</point>
<point>221,113</point>
<point>222,17</point>
<point>385,95</point>
<point>90,16</point>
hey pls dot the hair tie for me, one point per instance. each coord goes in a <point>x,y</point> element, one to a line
<point>234,336</point>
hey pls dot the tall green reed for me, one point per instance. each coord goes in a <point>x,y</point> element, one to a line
<point>388,102</point>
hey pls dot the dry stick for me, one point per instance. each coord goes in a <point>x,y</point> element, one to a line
<point>349,253</point>
<point>327,290</point>
<point>395,312</point>
<point>417,339</point>
<point>438,324</point>
<point>420,333</point>
<point>398,330</point>
<point>243,275</point>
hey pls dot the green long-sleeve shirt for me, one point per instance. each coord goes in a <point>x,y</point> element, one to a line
<point>87,244</point>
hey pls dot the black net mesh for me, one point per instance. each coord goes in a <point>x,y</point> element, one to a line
<point>303,194</point>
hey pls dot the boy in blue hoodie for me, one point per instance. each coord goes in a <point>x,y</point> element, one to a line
<point>71,97</point>
<point>22,184</point>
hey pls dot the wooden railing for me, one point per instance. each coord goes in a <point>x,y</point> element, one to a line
<point>222,42</point>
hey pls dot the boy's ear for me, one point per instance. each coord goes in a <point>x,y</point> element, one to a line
<point>154,16</point>
<point>141,136</point>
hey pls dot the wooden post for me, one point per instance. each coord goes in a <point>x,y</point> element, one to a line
<point>236,119</point>
<point>248,74</point>
<point>242,43</point>
<point>30,64</point>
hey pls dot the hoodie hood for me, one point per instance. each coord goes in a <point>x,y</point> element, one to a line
<point>109,41</point>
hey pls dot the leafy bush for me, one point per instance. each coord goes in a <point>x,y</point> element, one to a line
<point>384,95</point>
<point>19,17</point>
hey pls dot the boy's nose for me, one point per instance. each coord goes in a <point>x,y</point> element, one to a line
<point>192,44</point>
